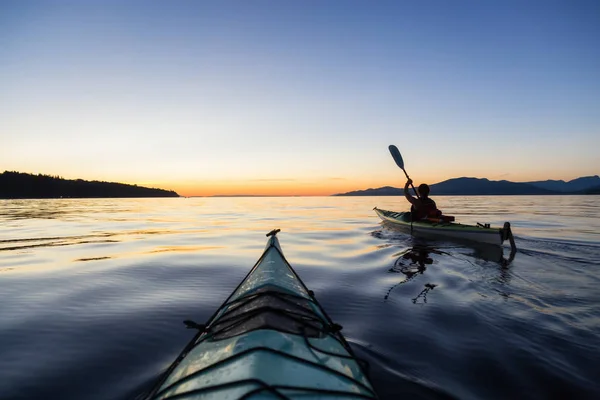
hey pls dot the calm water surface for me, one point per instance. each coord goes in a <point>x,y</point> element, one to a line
<point>93,292</point>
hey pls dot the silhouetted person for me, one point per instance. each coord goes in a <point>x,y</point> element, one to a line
<point>423,206</point>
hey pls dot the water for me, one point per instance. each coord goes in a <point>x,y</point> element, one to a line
<point>94,292</point>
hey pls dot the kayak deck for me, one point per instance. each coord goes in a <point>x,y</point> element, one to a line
<point>475,233</point>
<point>270,339</point>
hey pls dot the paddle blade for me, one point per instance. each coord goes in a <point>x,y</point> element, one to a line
<point>397,156</point>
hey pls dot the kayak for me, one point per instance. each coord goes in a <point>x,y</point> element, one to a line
<point>475,233</point>
<point>270,339</point>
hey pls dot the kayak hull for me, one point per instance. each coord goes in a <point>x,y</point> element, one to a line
<point>270,339</point>
<point>449,230</point>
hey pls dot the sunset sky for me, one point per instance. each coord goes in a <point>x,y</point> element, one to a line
<point>299,97</point>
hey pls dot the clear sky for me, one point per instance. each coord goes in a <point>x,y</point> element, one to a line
<point>299,97</point>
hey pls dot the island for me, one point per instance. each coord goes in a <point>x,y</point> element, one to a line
<point>18,185</point>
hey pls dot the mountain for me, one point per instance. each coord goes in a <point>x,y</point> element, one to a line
<point>17,185</point>
<point>382,191</point>
<point>575,185</point>
<point>482,186</point>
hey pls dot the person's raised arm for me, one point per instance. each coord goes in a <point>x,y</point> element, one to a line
<point>411,199</point>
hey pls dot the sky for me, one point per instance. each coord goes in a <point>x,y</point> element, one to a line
<point>299,97</point>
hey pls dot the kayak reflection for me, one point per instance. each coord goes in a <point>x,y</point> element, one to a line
<point>492,253</point>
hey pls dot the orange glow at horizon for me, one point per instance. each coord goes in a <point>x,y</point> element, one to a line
<point>292,187</point>
<point>309,186</point>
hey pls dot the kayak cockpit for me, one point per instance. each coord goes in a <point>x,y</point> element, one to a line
<point>269,308</point>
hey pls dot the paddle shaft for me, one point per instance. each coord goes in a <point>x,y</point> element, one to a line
<point>413,186</point>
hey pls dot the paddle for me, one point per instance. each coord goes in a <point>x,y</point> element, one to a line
<point>400,162</point>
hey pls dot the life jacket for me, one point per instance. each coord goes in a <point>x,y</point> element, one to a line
<point>426,209</point>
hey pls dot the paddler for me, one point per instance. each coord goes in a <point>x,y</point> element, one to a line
<point>422,206</point>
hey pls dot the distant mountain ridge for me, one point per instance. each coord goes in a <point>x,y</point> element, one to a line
<point>18,185</point>
<point>482,186</point>
<point>575,185</point>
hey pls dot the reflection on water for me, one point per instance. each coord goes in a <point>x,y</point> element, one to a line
<point>59,208</point>
<point>21,244</point>
<point>51,243</point>
<point>423,294</point>
<point>182,249</point>
<point>493,253</point>
<point>411,263</point>
<point>93,259</point>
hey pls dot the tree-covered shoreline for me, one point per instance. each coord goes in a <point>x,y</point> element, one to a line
<point>19,185</point>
